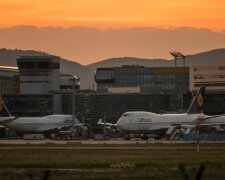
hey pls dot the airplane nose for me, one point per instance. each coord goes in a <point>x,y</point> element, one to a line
<point>120,124</point>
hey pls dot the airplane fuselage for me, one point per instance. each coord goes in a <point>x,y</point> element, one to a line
<point>39,124</point>
<point>214,120</point>
<point>144,122</point>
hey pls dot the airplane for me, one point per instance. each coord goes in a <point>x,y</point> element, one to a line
<point>34,125</point>
<point>158,125</point>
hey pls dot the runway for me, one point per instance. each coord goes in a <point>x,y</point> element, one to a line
<point>116,148</point>
<point>118,144</point>
<point>91,141</point>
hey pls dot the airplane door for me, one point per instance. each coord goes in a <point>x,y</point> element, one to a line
<point>138,124</point>
<point>142,124</point>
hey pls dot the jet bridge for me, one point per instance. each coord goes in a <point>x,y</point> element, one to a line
<point>173,132</point>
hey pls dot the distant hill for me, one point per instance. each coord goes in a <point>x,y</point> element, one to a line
<point>217,55</point>
<point>86,73</point>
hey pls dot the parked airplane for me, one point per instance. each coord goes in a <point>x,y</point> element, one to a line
<point>34,125</point>
<point>159,124</point>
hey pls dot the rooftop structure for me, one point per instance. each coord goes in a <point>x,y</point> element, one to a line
<point>66,81</point>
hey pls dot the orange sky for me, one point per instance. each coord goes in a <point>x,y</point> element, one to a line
<point>114,13</point>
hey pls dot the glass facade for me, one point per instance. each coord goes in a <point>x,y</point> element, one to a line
<point>112,106</point>
<point>39,65</point>
<point>147,78</point>
<point>9,85</point>
<point>105,75</point>
<point>29,105</point>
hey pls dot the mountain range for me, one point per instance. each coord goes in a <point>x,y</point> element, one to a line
<point>86,73</point>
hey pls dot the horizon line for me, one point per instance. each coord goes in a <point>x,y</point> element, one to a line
<point>117,28</point>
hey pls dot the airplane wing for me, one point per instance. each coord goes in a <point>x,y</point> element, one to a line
<point>210,117</point>
<point>212,124</point>
<point>213,120</point>
<point>8,120</point>
<point>159,127</point>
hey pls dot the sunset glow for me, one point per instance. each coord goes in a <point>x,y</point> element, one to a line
<point>114,13</point>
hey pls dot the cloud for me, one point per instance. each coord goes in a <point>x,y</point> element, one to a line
<point>87,45</point>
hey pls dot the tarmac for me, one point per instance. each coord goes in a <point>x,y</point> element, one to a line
<point>91,141</point>
<point>100,144</point>
<point>116,148</point>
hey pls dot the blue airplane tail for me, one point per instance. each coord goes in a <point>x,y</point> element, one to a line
<point>197,104</point>
<point>3,110</point>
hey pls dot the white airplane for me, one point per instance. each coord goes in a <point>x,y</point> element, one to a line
<point>158,124</point>
<point>34,125</point>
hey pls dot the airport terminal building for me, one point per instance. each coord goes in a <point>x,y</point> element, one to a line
<point>38,88</point>
<point>140,79</point>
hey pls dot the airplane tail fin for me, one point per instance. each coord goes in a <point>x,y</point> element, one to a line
<point>4,113</point>
<point>197,104</point>
<point>99,121</point>
<point>190,97</point>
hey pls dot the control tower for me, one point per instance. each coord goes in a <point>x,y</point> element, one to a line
<point>39,74</point>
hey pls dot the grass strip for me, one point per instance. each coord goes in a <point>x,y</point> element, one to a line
<point>149,163</point>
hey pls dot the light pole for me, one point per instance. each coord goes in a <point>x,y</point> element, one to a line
<point>175,55</point>
<point>182,100</point>
<point>179,55</point>
<point>75,80</point>
<point>104,127</point>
